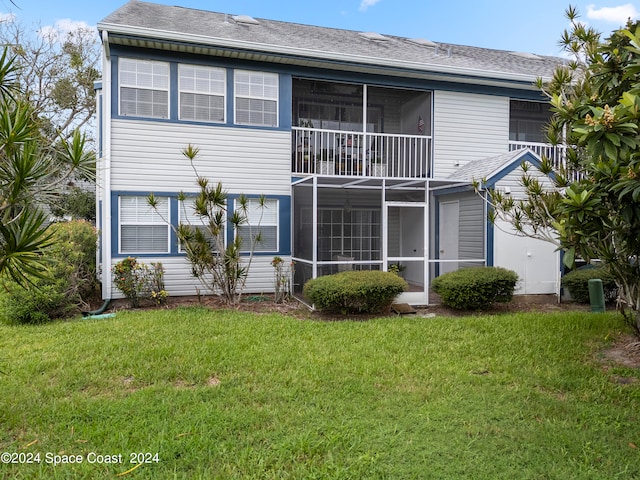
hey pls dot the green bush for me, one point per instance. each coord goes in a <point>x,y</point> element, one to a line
<point>577,282</point>
<point>70,281</point>
<point>364,291</point>
<point>475,288</point>
<point>137,280</point>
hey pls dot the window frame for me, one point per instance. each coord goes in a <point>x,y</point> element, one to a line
<point>275,223</point>
<point>183,214</point>
<point>237,75</point>
<point>157,222</point>
<point>195,91</point>
<point>135,85</point>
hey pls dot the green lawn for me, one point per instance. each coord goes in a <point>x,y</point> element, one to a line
<point>233,395</point>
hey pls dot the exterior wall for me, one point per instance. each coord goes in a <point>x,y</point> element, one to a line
<point>536,262</point>
<point>513,183</point>
<point>470,238</point>
<point>468,127</point>
<point>146,156</point>
<point>180,282</point>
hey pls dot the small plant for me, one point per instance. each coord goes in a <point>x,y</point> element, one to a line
<point>364,291</point>
<point>282,278</point>
<point>396,268</point>
<point>475,288</point>
<point>137,280</point>
<point>577,282</point>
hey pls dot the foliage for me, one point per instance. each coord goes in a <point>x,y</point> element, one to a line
<point>138,281</point>
<point>356,291</point>
<point>32,172</point>
<point>70,281</point>
<point>76,203</point>
<point>282,274</point>
<point>577,282</point>
<point>221,267</point>
<point>396,268</point>
<point>58,69</point>
<point>596,103</point>
<point>475,288</point>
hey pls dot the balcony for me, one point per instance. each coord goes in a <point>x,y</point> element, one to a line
<point>557,155</point>
<point>357,154</point>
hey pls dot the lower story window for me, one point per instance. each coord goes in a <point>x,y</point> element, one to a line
<point>261,226</point>
<point>143,229</point>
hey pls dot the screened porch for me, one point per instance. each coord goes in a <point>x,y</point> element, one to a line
<point>377,224</point>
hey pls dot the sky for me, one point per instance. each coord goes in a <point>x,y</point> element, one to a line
<point>516,25</point>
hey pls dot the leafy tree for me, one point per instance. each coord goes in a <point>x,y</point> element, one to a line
<point>57,74</point>
<point>596,103</point>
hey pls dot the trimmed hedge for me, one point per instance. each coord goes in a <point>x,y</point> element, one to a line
<point>358,291</point>
<point>475,288</point>
<point>577,282</point>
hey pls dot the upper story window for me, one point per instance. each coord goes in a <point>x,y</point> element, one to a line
<point>144,88</point>
<point>528,121</point>
<point>256,98</point>
<point>202,93</point>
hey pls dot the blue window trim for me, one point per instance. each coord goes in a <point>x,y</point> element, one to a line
<point>284,224</point>
<point>284,93</point>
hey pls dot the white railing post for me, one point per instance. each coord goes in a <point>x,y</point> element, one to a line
<point>345,153</point>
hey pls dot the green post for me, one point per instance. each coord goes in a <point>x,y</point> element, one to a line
<point>596,295</point>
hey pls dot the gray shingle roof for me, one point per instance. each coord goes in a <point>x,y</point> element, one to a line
<point>486,168</point>
<point>306,41</point>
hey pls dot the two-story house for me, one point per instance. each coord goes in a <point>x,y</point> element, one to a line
<point>364,145</point>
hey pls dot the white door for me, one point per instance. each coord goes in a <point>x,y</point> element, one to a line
<point>405,245</point>
<point>536,262</point>
<point>448,227</point>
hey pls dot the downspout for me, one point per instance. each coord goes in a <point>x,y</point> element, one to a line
<point>106,174</point>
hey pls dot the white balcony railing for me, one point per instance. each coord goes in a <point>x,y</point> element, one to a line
<point>343,153</point>
<point>557,155</point>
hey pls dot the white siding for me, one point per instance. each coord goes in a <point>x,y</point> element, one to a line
<point>536,262</point>
<point>147,156</point>
<point>513,181</point>
<point>468,127</point>
<point>471,227</point>
<point>179,281</point>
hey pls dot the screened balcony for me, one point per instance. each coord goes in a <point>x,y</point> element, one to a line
<point>359,130</point>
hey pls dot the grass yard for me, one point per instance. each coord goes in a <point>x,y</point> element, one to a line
<point>230,395</point>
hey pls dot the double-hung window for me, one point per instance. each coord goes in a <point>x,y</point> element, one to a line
<point>256,98</point>
<point>202,93</point>
<point>143,228</point>
<point>187,216</point>
<point>144,88</point>
<point>261,228</point>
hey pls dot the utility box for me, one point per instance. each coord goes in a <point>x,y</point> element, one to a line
<point>596,295</point>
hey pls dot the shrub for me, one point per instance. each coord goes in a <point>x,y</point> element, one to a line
<point>70,281</point>
<point>365,291</point>
<point>577,282</point>
<point>475,288</point>
<point>137,280</point>
<point>282,279</point>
